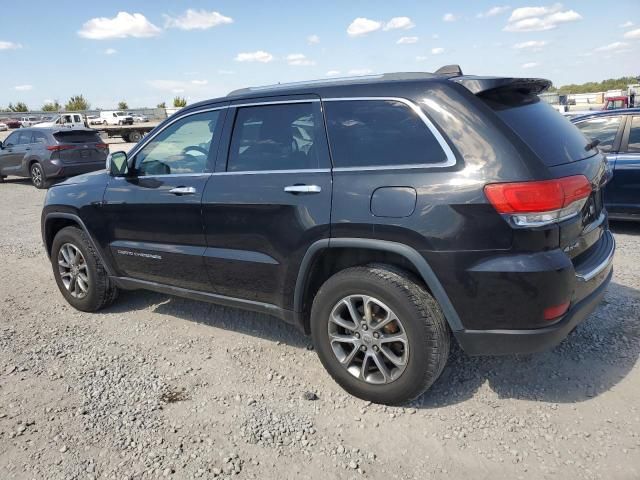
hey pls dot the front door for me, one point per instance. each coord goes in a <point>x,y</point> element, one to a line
<point>269,199</point>
<point>154,212</point>
<point>622,194</point>
<point>11,154</point>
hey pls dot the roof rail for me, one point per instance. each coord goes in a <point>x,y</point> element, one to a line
<point>336,80</point>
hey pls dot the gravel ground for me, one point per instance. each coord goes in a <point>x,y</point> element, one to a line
<point>161,387</point>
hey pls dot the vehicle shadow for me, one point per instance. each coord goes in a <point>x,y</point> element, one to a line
<point>591,360</point>
<point>227,318</point>
<point>594,358</point>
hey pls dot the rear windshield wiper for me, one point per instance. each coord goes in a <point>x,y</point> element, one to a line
<point>592,145</point>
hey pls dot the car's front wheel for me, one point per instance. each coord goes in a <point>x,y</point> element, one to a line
<point>379,333</point>
<point>79,273</point>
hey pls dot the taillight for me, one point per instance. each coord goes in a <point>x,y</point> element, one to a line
<point>556,311</point>
<point>58,148</point>
<point>541,202</point>
<point>102,145</point>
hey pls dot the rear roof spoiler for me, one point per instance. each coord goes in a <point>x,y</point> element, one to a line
<point>480,85</point>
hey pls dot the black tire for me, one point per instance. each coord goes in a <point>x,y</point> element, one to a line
<point>135,136</point>
<point>125,137</point>
<point>426,330</point>
<point>38,177</point>
<point>101,291</point>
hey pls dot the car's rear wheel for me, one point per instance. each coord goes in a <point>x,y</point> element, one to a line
<point>38,177</point>
<point>379,334</point>
<point>79,273</point>
<point>135,136</point>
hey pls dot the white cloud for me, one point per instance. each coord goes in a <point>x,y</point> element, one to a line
<point>23,88</point>
<point>9,45</point>
<point>121,26</point>
<point>530,65</point>
<point>612,47</point>
<point>333,73</point>
<point>299,60</point>
<point>626,24</point>
<point>407,40</point>
<point>196,20</point>
<point>493,11</point>
<point>199,82</point>
<point>437,50</point>
<point>633,34</point>
<point>536,19</point>
<point>313,39</point>
<point>110,51</point>
<point>534,45</point>
<point>399,23</point>
<point>421,58</point>
<point>360,71</point>
<point>257,56</point>
<point>362,26</point>
<point>450,17</point>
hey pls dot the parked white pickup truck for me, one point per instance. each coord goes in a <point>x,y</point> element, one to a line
<point>28,121</point>
<point>70,120</point>
<point>111,117</point>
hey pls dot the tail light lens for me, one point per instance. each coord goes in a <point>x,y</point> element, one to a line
<point>102,146</point>
<point>539,203</point>
<point>58,148</point>
<point>556,311</point>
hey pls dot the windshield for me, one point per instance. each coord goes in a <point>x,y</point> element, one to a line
<point>551,136</point>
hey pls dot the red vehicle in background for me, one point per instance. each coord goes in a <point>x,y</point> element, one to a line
<point>11,122</point>
<point>615,103</point>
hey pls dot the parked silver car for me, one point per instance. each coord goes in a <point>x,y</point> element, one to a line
<point>46,153</point>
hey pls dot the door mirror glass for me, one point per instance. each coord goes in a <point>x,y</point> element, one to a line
<point>117,164</point>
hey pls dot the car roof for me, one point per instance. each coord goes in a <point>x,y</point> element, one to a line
<point>607,113</point>
<point>374,83</point>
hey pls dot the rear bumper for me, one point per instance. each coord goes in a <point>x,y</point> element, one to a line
<point>505,342</point>
<point>57,169</point>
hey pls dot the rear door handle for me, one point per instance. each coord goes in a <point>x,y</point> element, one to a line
<point>303,189</point>
<point>183,191</point>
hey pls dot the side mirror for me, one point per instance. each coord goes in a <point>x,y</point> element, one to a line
<point>117,164</point>
<point>1,145</point>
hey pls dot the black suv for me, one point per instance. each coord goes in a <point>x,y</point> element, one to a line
<point>379,214</point>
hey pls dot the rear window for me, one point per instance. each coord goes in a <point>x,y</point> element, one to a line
<point>552,137</point>
<point>75,136</point>
<point>377,133</point>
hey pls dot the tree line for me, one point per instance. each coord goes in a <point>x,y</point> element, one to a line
<point>78,103</point>
<point>591,87</point>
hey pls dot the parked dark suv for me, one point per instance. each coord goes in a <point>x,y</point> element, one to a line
<point>379,214</point>
<point>47,153</point>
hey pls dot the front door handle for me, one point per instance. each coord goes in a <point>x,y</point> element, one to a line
<point>303,189</point>
<point>183,191</point>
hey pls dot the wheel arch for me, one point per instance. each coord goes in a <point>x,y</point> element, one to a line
<point>409,258</point>
<point>56,221</point>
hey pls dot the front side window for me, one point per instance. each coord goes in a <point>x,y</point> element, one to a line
<point>181,148</point>
<point>275,137</point>
<point>374,133</point>
<point>604,129</point>
<point>11,140</point>
<point>634,136</point>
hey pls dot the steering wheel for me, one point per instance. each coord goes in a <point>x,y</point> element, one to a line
<point>196,148</point>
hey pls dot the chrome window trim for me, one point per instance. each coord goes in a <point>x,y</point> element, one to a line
<point>451,158</point>
<point>164,175</point>
<point>264,172</point>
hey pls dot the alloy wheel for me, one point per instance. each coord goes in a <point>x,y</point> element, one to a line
<point>36,175</point>
<point>73,270</point>
<point>368,339</point>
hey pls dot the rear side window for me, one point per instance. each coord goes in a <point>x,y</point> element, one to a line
<point>24,138</point>
<point>276,137</point>
<point>39,137</point>
<point>553,138</point>
<point>77,136</point>
<point>604,129</point>
<point>376,133</point>
<point>634,136</point>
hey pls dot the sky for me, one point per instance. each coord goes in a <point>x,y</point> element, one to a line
<point>148,51</point>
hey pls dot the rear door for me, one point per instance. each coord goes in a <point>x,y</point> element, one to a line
<point>623,192</point>
<point>154,221</point>
<point>269,199</point>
